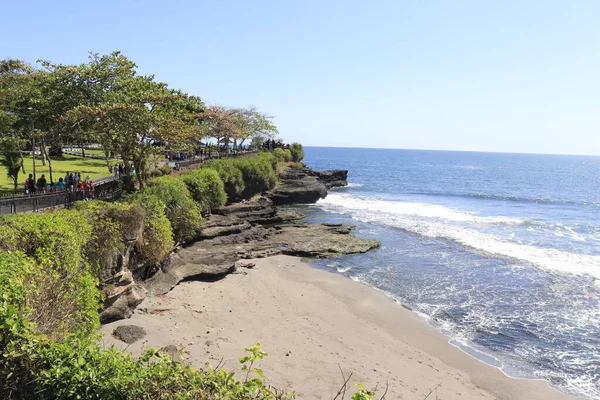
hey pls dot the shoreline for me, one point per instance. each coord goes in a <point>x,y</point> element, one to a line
<point>314,322</point>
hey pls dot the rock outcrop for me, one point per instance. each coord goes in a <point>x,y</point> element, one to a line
<point>297,186</point>
<point>228,238</point>
<point>332,178</point>
<point>226,241</point>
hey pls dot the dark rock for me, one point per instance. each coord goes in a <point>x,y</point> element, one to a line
<point>332,178</point>
<point>297,185</point>
<point>173,352</point>
<point>129,333</point>
<point>121,304</point>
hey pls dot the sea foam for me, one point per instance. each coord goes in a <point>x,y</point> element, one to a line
<point>443,222</point>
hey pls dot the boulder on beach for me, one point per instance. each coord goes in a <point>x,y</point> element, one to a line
<point>129,333</point>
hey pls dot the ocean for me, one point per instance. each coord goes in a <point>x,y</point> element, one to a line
<point>499,251</point>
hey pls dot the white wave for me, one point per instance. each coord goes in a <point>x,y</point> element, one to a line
<point>437,221</point>
<point>350,202</point>
<point>354,185</point>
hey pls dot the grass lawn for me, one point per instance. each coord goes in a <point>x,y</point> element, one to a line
<point>87,166</point>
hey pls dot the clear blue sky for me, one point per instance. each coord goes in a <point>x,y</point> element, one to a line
<point>520,76</point>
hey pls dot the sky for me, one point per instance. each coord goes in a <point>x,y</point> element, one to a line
<point>505,76</point>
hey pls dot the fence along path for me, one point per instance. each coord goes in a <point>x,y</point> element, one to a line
<point>105,189</point>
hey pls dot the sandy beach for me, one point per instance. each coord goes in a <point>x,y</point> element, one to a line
<point>314,323</point>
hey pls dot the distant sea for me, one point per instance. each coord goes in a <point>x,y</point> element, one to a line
<point>499,251</point>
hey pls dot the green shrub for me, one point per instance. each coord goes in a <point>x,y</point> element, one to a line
<point>230,174</point>
<point>206,188</point>
<point>282,155</point>
<point>161,171</point>
<point>258,173</point>
<point>287,153</point>
<point>158,233</point>
<point>64,294</point>
<point>34,366</point>
<point>114,226</point>
<point>297,152</point>
<point>181,210</point>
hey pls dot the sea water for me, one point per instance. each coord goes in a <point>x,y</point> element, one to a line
<point>499,251</point>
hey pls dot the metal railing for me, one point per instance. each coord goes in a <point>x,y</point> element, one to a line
<point>107,189</point>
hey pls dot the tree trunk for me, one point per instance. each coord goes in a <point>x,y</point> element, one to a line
<point>82,150</point>
<point>47,156</point>
<point>107,156</point>
<point>43,151</point>
<point>139,174</point>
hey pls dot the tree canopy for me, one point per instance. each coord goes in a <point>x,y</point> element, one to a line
<point>106,101</point>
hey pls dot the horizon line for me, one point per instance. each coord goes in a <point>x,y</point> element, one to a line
<point>458,151</point>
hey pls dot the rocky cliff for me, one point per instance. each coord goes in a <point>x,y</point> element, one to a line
<point>303,185</point>
<point>227,241</point>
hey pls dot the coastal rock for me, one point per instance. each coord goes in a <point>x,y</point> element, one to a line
<point>188,264</point>
<point>121,305</point>
<point>212,259</point>
<point>296,186</point>
<point>332,178</point>
<point>321,240</point>
<point>173,352</point>
<point>129,333</point>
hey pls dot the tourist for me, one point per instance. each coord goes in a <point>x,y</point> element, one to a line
<point>41,183</point>
<point>90,188</point>
<point>29,185</point>
<point>61,184</point>
<point>70,181</point>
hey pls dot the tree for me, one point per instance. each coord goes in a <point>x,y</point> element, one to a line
<point>16,86</point>
<point>11,158</point>
<point>221,123</point>
<point>129,113</point>
<point>254,125</point>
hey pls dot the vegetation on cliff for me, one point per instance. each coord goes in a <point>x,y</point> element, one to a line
<point>51,268</point>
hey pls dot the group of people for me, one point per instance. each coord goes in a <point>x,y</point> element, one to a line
<point>71,182</point>
<point>119,170</point>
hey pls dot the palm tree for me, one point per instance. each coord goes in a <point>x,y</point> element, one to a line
<point>11,159</point>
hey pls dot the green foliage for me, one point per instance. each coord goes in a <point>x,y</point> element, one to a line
<point>161,171</point>
<point>230,174</point>
<point>206,188</point>
<point>288,155</point>
<point>283,155</point>
<point>246,176</point>
<point>181,210</point>
<point>158,234</point>
<point>363,393</point>
<point>65,296</point>
<point>11,158</point>
<point>113,225</point>
<point>33,367</point>
<point>297,152</point>
<point>258,173</point>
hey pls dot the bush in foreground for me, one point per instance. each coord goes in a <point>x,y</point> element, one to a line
<point>33,366</point>
<point>64,296</point>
